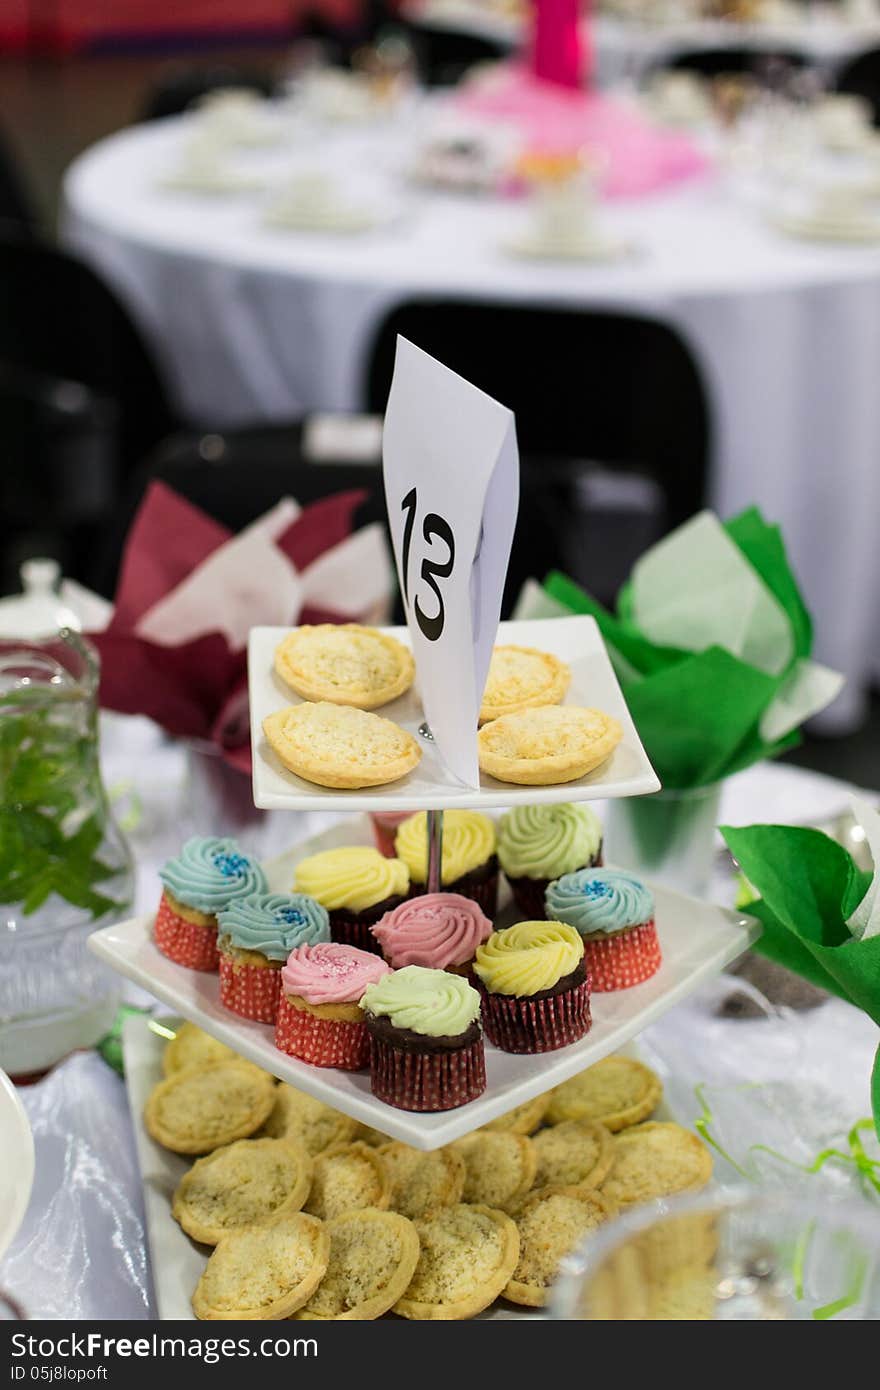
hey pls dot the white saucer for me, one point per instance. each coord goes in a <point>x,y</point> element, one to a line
<point>324,219</point>
<point>532,246</point>
<point>863,231</point>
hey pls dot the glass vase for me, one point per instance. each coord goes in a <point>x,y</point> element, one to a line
<point>65,868</point>
<point>668,837</point>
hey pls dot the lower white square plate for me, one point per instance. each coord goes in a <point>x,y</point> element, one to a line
<point>575,640</point>
<point>177,1262</point>
<point>697,940</point>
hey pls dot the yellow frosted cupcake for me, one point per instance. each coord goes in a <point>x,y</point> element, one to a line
<point>357,885</point>
<point>536,995</point>
<point>470,863</point>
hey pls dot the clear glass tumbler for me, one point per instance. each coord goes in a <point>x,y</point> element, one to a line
<point>668,837</point>
<point>746,1256</point>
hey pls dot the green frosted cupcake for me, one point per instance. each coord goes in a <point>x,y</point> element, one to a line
<point>537,844</point>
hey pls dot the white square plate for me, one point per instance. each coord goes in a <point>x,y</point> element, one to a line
<point>576,640</point>
<point>697,940</point>
<point>177,1262</point>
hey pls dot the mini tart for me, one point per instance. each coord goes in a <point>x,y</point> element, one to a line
<point>373,1257</point>
<point>192,1047</point>
<point>338,746</point>
<point>500,1168</point>
<point>551,1224</point>
<point>576,1153</point>
<point>547,746</point>
<point>346,664</point>
<point>522,1119</point>
<point>242,1184</point>
<point>617,1092</point>
<point>348,1177</point>
<point>655,1160</point>
<point>315,1125</point>
<point>422,1183</point>
<point>195,1111</point>
<point>264,1272</point>
<point>521,678</point>
<point>468,1254</point>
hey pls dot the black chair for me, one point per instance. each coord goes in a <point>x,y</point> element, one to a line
<point>770,67</point>
<point>58,319</point>
<point>861,78</point>
<point>235,477</point>
<point>17,213</point>
<point>181,87</point>
<point>614,392</point>
<point>444,56</point>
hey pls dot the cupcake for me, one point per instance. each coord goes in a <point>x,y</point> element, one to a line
<point>537,844</point>
<point>426,1044</point>
<point>255,937</point>
<point>536,995</point>
<point>319,1018</point>
<point>357,885</point>
<point>205,877</point>
<point>438,930</point>
<point>385,825</point>
<point>614,913</point>
<point>470,864</point>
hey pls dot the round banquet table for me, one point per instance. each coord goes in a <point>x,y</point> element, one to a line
<point>253,324</point>
<point>81,1252</point>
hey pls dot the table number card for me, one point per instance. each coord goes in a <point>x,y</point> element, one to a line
<point>452,486</point>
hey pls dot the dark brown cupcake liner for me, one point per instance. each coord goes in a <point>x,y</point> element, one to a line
<point>537,1025</point>
<point>427,1081</point>
<point>353,928</point>
<point>528,893</point>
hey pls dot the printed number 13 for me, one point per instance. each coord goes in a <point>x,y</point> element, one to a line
<point>433,526</point>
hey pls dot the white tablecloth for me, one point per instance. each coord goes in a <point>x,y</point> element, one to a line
<point>81,1251</point>
<point>258,325</point>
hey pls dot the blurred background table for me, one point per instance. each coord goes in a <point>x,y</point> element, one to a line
<point>254,325</point>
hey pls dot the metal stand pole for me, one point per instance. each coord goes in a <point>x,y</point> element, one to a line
<point>435,851</point>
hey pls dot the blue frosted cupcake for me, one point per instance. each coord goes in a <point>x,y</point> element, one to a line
<point>201,881</point>
<point>256,935</point>
<point>614,913</point>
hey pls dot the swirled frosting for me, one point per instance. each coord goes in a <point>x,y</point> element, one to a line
<point>355,877</point>
<point>434,930</point>
<point>330,973</point>
<point>528,957</point>
<point>208,874</point>
<point>424,1001</point>
<point>548,841</point>
<point>468,841</point>
<point>599,900</point>
<point>274,923</point>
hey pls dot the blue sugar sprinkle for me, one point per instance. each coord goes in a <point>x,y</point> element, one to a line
<point>231,865</point>
<point>292,916</point>
<point>596,889</point>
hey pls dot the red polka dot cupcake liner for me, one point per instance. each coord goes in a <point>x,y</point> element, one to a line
<point>187,943</point>
<point>623,960</point>
<point>427,1081</point>
<point>537,1025</point>
<point>252,991</point>
<point>325,1042</point>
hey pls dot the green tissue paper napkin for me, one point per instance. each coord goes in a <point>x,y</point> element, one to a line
<point>711,644</point>
<point>820,912</point>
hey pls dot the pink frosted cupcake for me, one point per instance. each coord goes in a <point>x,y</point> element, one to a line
<point>319,1018</point>
<point>438,930</point>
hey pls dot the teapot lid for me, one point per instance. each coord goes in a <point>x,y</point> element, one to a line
<point>37,611</point>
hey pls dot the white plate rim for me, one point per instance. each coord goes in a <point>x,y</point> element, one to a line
<point>18,1147</point>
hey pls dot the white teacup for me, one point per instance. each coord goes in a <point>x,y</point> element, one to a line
<point>844,122</point>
